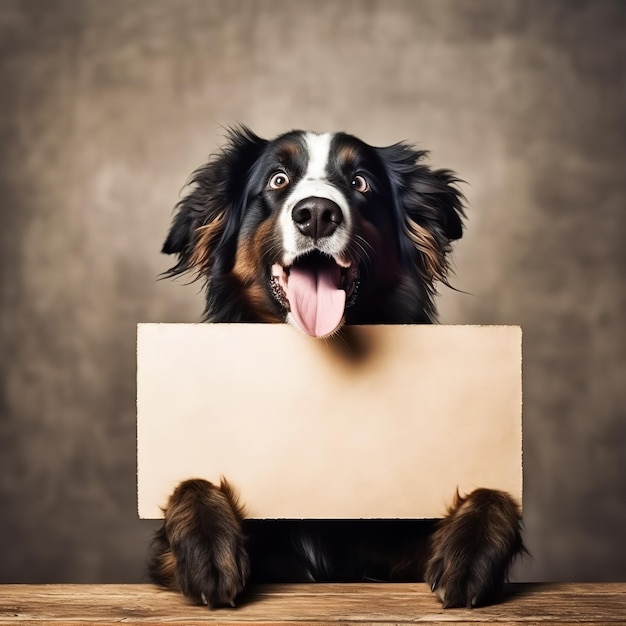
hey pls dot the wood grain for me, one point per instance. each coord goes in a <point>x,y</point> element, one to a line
<point>315,604</point>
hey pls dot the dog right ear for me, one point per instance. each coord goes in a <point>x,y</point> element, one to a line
<point>207,216</point>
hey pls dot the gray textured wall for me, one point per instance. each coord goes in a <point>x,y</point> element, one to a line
<point>106,107</point>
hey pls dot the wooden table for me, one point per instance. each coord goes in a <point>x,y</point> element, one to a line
<point>313,604</point>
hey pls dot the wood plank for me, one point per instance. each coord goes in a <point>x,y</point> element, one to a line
<point>315,604</point>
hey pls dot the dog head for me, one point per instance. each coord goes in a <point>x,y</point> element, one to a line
<point>316,230</point>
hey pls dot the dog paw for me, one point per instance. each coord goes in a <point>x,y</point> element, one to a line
<point>473,548</point>
<point>200,549</point>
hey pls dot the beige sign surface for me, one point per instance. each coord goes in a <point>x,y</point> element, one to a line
<point>380,422</point>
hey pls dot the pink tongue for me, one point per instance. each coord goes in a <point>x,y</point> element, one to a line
<point>316,301</point>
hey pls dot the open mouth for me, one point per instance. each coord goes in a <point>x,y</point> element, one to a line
<point>316,290</point>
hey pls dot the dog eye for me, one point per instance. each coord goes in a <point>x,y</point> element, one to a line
<point>360,184</point>
<point>278,180</point>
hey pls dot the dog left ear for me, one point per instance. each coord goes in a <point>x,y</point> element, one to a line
<point>207,218</point>
<point>428,207</point>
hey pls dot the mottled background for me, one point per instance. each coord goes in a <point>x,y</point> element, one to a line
<point>106,107</point>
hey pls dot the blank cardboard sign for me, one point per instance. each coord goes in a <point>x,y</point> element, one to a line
<point>380,422</point>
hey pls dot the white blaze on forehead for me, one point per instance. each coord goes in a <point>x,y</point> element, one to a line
<point>315,183</point>
<point>318,148</point>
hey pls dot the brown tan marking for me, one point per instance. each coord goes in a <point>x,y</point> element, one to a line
<point>347,154</point>
<point>435,265</point>
<point>250,261</point>
<point>288,151</point>
<point>205,238</point>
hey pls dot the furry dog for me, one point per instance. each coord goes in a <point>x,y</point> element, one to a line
<point>319,230</point>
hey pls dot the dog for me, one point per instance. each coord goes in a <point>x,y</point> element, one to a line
<point>318,231</point>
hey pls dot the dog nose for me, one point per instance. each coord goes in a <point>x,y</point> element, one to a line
<point>317,217</point>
